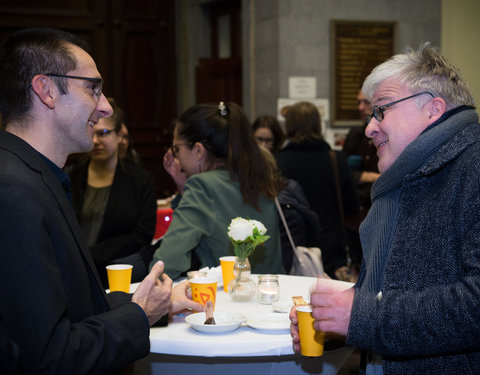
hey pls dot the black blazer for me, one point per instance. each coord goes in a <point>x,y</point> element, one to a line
<point>130,214</point>
<point>53,305</point>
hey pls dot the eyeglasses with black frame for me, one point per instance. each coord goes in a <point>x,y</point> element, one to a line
<point>377,111</point>
<point>102,133</point>
<point>97,90</point>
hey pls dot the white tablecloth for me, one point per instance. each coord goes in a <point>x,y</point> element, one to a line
<point>182,349</point>
<point>179,338</point>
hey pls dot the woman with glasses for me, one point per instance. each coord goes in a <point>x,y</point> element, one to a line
<point>221,174</point>
<point>268,133</point>
<point>114,202</point>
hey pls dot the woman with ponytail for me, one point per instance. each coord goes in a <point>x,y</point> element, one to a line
<point>221,174</point>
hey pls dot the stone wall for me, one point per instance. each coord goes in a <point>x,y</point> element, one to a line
<point>292,38</point>
<point>284,38</point>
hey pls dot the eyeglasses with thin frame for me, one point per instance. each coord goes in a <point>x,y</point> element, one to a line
<point>97,88</point>
<point>174,148</point>
<point>102,133</point>
<point>377,111</point>
<point>264,140</point>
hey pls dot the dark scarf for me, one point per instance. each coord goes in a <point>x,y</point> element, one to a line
<point>377,230</point>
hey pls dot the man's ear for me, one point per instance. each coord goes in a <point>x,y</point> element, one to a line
<point>437,108</point>
<point>45,89</point>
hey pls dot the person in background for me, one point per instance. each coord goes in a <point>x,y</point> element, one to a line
<point>302,221</point>
<point>268,133</point>
<point>54,314</point>
<point>114,202</point>
<point>358,145</point>
<point>306,159</point>
<point>126,151</point>
<point>362,154</point>
<point>215,151</point>
<point>416,306</point>
<point>362,159</point>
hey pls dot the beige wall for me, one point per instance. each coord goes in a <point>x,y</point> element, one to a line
<point>460,35</point>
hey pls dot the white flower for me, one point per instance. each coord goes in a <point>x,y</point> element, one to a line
<point>240,229</point>
<point>261,228</point>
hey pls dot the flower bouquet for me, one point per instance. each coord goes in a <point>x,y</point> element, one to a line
<point>245,235</point>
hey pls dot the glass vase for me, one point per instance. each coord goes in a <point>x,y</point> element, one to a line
<point>242,288</point>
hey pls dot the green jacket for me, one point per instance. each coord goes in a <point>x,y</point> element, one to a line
<point>209,202</point>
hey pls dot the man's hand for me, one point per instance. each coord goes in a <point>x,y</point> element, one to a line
<point>153,294</point>
<point>294,330</point>
<point>172,166</point>
<point>182,299</point>
<point>332,306</point>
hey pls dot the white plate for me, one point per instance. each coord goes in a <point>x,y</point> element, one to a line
<point>283,306</point>
<point>270,322</point>
<point>224,322</point>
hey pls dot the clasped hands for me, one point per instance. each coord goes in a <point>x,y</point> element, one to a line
<point>157,298</point>
<point>331,302</point>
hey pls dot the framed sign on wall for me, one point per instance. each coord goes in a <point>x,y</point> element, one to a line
<point>357,47</point>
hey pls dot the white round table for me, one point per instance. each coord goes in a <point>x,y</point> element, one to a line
<point>179,349</point>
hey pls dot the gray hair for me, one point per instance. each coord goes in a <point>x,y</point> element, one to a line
<point>422,70</point>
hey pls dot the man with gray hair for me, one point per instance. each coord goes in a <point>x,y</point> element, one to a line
<point>416,306</point>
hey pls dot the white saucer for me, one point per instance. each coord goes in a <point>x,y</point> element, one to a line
<point>269,322</point>
<point>224,322</point>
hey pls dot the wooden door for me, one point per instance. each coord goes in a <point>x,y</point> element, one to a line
<point>144,78</point>
<point>133,44</point>
<point>219,77</point>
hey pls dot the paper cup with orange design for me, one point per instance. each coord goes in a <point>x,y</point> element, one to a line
<point>311,340</point>
<point>227,270</point>
<point>204,289</point>
<point>119,277</point>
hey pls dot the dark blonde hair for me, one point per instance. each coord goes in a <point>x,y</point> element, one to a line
<point>303,122</point>
<point>272,171</point>
<point>227,136</point>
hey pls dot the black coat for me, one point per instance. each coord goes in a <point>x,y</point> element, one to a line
<point>309,163</point>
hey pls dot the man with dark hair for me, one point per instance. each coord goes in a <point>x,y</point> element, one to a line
<point>54,310</point>
<point>416,306</point>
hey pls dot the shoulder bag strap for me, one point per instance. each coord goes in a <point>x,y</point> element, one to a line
<point>336,174</point>
<point>280,212</point>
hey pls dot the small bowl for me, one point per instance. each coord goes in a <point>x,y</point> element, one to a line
<point>224,322</point>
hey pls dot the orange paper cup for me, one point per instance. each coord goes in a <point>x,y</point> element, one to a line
<point>311,340</point>
<point>204,289</point>
<point>119,277</point>
<point>227,270</point>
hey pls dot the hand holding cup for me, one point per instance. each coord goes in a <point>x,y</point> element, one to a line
<point>204,289</point>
